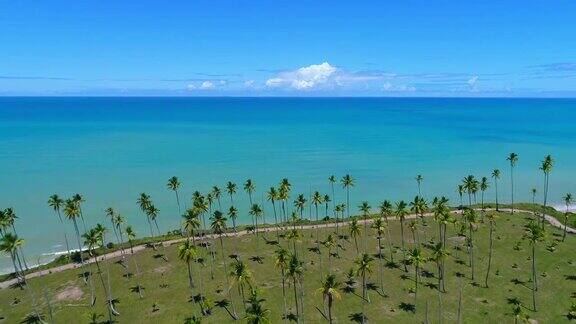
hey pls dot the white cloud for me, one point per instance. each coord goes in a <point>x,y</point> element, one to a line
<point>389,87</point>
<point>473,83</point>
<point>206,85</point>
<point>306,78</point>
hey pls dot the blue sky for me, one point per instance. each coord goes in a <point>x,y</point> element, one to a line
<point>288,48</point>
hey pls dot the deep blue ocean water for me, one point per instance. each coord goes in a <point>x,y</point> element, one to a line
<point>111,149</point>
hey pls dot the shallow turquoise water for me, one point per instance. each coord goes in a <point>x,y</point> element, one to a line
<point>111,149</point>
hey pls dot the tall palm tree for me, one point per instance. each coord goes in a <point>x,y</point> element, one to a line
<point>326,201</point>
<point>364,268</point>
<point>191,223</point>
<point>330,291</point>
<point>546,167</point>
<point>419,180</point>
<point>513,160</point>
<point>380,226</point>
<point>233,214</point>
<point>272,196</point>
<point>217,193</point>
<point>281,262</point>
<point>187,252</point>
<point>533,192</point>
<point>332,181</point>
<point>144,203</point>
<point>387,210</point>
<point>130,236</point>
<point>483,187</point>
<point>329,243</point>
<point>492,221</point>
<point>256,313</point>
<point>231,190</point>
<point>347,183</point>
<point>365,209</point>
<point>417,259</point>
<point>219,227</point>
<point>72,213</point>
<point>300,203</point>
<point>295,271</point>
<point>174,184</point>
<point>78,200</point>
<point>470,185</point>
<point>355,232</point>
<point>496,176</point>
<point>249,187</point>
<point>534,234</point>
<point>111,214</point>
<point>256,212</point>
<point>460,189</point>
<point>439,254</point>
<point>401,213</point>
<point>284,194</point>
<point>10,244</point>
<point>471,218</point>
<point>56,203</point>
<point>568,200</point>
<point>10,219</point>
<point>241,276</point>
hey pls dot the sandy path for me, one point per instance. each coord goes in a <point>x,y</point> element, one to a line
<point>550,219</point>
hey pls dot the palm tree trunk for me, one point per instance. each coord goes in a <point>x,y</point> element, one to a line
<point>284,293</point>
<point>496,187</point>
<point>329,309</point>
<point>534,283</point>
<point>190,275</point>
<point>512,187</point>
<point>489,254</point>
<point>403,248</point>
<point>380,257</point>
<point>296,299</point>
<point>471,251</point>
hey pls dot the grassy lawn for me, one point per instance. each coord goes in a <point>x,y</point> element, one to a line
<point>166,297</point>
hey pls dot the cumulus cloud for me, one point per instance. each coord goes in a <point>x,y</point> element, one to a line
<point>204,85</point>
<point>389,87</point>
<point>473,83</point>
<point>305,78</point>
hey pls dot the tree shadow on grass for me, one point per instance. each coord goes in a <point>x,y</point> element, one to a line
<point>407,307</point>
<point>570,277</point>
<point>358,317</point>
<point>33,318</point>
<point>258,259</point>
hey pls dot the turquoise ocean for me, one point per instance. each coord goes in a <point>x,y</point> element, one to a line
<point>112,149</point>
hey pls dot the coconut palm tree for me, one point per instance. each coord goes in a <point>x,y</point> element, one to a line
<point>284,195</point>
<point>365,209</point>
<point>439,254</point>
<point>417,259</point>
<point>272,196</point>
<point>295,271</point>
<point>111,214</point>
<point>300,203</point>
<point>174,184</point>
<point>332,180</point>
<point>217,193</point>
<point>144,203</point>
<point>233,214</point>
<point>326,201</point>
<point>364,268</point>
<point>231,190</point>
<point>281,262</point>
<point>419,180</point>
<point>496,176</point>
<point>513,160</point>
<point>546,167</point>
<point>329,243</point>
<point>483,187</point>
<point>492,222</point>
<point>380,226</point>
<point>78,199</point>
<point>93,238</point>
<point>10,221</point>
<point>330,291</point>
<point>317,200</point>
<point>256,212</point>
<point>568,200</point>
<point>460,189</point>
<point>249,187</point>
<point>355,232</point>
<point>219,227</point>
<point>10,244</point>
<point>387,210</point>
<point>470,185</point>
<point>534,234</point>
<point>152,213</point>
<point>241,276</point>
<point>187,252</point>
<point>191,222</point>
<point>347,182</point>
<point>471,218</point>
<point>256,313</point>
<point>56,203</point>
<point>401,213</point>
<point>130,235</point>
<point>72,212</point>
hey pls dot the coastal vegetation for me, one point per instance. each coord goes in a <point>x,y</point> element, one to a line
<point>425,260</point>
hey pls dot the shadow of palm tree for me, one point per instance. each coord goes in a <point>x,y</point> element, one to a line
<point>358,317</point>
<point>33,318</point>
<point>257,259</point>
<point>407,307</point>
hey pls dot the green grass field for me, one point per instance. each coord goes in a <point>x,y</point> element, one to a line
<point>166,297</point>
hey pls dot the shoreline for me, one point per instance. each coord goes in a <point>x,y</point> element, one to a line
<point>272,228</point>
